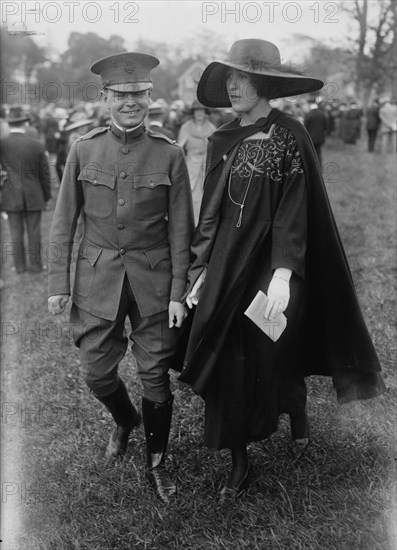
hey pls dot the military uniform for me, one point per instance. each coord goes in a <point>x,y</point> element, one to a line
<point>131,186</point>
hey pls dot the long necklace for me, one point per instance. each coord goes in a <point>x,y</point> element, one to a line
<point>242,204</point>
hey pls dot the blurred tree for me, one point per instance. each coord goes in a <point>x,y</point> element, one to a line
<point>83,49</point>
<point>20,57</point>
<point>374,46</point>
<point>324,61</point>
<point>203,46</point>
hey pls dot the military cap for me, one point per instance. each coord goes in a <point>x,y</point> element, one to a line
<point>126,72</point>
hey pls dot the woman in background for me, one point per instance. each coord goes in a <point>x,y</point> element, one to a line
<point>193,138</point>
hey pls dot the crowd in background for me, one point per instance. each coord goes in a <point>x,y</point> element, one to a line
<point>190,125</point>
<point>57,127</point>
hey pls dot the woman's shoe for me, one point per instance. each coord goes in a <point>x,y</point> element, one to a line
<point>230,494</point>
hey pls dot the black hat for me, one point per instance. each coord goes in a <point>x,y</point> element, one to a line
<point>257,57</point>
<point>16,115</point>
<point>78,124</point>
<point>126,72</point>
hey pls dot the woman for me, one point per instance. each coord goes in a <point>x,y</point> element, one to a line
<point>266,224</point>
<point>193,138</point>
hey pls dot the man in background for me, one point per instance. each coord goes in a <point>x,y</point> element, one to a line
<point>155,120</point>
<point>26,190</point>
<point>388,126</point>
<point>372,124</point>
<point>316,123</point>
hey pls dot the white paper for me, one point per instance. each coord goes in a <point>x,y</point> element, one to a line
<point>256,312</point>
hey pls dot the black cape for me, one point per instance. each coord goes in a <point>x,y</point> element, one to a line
<point>336,341</point>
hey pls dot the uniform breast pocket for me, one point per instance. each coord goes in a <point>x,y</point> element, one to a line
<point>151,195</point>
<point>85,267</point>
<point>98,191</point>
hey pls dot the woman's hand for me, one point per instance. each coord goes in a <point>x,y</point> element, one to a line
<point>278,294</point>
<point>194,295</point>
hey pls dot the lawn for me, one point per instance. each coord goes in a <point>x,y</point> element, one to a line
<point>58,493</point>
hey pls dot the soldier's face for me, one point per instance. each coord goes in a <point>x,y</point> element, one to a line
<point>127,109</point>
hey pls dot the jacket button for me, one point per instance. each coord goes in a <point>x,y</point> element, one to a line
<point>125,150</point>
<point>122,175</point>
<point>120,226</point>
<point>121,202</point>
<point>122,251</point>
<point>95,181</point>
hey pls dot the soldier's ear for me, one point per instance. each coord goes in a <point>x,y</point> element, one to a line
<point>104,96</point>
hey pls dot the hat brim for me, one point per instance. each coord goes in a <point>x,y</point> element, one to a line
<point>130,87</point>
<point>18,119</point>
<point>155,112</point>
<point>78,124</point>
<point>202,108</point>
<point>211,89</point>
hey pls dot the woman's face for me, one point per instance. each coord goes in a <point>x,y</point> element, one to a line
<point>199,115</point>
<point>242,93</point>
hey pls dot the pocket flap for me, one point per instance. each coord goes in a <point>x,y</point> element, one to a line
<point>151,180</point>
<point>156,255</point>
<point>97,177</point>
<point>90,252</point>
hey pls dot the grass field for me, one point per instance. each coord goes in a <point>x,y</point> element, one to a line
<point>59,494</point>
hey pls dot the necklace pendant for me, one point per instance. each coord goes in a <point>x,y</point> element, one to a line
<point>240,218</point>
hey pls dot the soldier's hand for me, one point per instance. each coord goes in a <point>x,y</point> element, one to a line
<point>176,314</point>
<point>57,304</point>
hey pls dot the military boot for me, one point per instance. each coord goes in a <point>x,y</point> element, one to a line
<point>126,417</point>
<point>157,422</point>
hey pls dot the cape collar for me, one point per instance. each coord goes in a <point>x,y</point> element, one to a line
<point>126,136</point>
<point>224,139</point>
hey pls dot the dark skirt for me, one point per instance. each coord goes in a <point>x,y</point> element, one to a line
<point>256,379</point>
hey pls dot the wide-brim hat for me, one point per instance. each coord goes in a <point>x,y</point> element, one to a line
<point>256,57</point>
<point>155,108</point>
<point>197,106</point>
<point>16,115</point>
<point>78,124</point>
<point>126,72</point>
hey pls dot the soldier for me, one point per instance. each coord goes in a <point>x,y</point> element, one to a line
<point>132,186</point>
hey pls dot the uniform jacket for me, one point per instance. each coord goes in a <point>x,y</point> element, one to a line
<point>335,340</point>
<point>133,190</point>
<point>28,184</point>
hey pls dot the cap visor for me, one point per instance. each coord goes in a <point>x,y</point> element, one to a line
<point>130,87</point>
